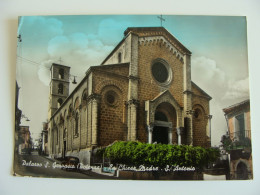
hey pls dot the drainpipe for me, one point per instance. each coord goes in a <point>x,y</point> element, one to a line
<point>228,130</point>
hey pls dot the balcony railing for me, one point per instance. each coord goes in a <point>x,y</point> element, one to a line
<point>240,135</point>
<point>240,139</point>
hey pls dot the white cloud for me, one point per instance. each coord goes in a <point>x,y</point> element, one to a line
<point>110,32</point>
<point>204,69</point>
<point>44,28</point>
<point>59,46</point>
<point>78,50</point>
<point>44,72</point>
<point>238,89</point>
<point>208,76</point>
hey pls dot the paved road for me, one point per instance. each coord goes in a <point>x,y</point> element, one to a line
<point>41,166</point>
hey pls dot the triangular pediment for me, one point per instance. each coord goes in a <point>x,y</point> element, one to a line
<point>166,96</point>
<point>158,34</point>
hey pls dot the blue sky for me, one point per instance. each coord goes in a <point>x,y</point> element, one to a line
<point>218,45</point>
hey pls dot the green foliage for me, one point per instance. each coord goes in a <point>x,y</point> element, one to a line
<point>242,143</point>
<point>225,139</point>
<point>159,155</point>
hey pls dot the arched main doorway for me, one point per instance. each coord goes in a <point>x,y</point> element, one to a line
<point>242,172</point>
<point>164,122</point>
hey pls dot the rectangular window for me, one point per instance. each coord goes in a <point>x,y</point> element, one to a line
<point>240,126</point>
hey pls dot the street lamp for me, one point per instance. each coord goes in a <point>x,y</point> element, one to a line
<point>26,118</point>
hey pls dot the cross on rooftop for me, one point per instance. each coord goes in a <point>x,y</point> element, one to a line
<point>60,61</point>
<point>161,18</point>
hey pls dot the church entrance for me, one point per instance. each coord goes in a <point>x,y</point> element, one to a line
<point>161,129</point>
<point>160,135</point>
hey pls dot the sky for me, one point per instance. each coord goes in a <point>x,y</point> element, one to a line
<point>218,45</point>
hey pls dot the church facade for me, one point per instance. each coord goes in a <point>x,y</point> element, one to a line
<point>141,91</point>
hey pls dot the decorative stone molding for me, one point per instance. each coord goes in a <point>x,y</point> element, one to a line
<point>150,127</point>
<point>94,96</point>
<point>190,112</point>
<point>105,83</point>
<point>153,40</point>
<point>188,92</point>
<point>133,77</point>
<point>133,101</point>
<point>208,117</point>
<point>151,105</point>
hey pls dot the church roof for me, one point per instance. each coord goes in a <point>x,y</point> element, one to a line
<point>201,90</point>
<point>152,30</point>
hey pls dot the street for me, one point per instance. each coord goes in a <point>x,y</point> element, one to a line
<point>42,166</point>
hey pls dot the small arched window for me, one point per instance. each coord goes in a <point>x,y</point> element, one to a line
<point>60,101</point>
<point>60,88</point>
<point>57,137</point>
<point>70,110</point>
<point>84,97</point>
<point>77,124</point>
<point>65,133</point>
<point>61,73</point>
<point>119,57</point>
<point>198,114</point>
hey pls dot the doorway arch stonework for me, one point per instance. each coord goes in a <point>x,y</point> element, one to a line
<point>163,102</point>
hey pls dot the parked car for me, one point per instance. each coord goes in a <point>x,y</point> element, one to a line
<point>70,163</point>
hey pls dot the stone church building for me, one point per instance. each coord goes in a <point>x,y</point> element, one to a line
<point>141,91</point>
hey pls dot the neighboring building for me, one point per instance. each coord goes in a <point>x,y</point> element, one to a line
<point>18,114</point>
<point>24,137</point>
<point>44,138</point>
<point>141,91</point>
<point>239,148</point>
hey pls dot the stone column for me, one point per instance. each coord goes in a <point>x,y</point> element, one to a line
<point>132,119</point>
<point>209,125</point>
<point>189,127</point>
<point>133,89</point>
<point>94,122</point>
<point>179,133</point>
<point>208,130</point>
<point>188,96</point>
<point>150,133</point>
<point>170,135</point>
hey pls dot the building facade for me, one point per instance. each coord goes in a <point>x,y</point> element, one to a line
<point>24,140</point>
<point>141,91</point>
<point>239,130</point>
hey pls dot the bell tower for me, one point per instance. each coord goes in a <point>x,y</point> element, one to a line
<point>59,87</point>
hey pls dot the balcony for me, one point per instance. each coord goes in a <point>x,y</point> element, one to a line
<point>241,140</point>
<point>240,135</point>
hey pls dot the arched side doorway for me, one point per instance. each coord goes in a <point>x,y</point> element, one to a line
<point>241,171</point>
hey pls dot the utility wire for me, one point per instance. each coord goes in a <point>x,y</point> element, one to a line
<point>37,63</point>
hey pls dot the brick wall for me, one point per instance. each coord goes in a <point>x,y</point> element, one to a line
<point>200,102</point>
<point>112,117</point>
